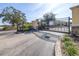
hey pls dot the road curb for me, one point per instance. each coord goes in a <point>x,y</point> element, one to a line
<point>58,48</point>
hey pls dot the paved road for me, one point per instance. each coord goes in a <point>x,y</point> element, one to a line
<point>27,44</point>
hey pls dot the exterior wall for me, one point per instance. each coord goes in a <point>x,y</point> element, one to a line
<point>75,16</point>
<point>35,24</point>
<point>75,20</point>
<point>75,30</point>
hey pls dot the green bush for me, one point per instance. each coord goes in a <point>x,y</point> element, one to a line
<point>69,46</point>
<point>9,28</point>
<point>27,26</point>
<point>67,39</point>
<point>5,28</point>
<point>72,50</point>
<point>68,43</point>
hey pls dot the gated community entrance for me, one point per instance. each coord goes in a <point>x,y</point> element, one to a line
<point>59,25</point>
<point>67,24</point>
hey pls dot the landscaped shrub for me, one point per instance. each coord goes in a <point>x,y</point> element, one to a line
<point>72,50</point>
<point>27,26</point>
<point>68,43</point>
<point>5,28</point>
<point>67,39</point>
<point>69,46</point>
<point>9,27</point>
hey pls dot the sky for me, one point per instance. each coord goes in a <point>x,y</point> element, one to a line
<point>37,10</point>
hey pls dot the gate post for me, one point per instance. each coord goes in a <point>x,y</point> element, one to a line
<point>69,25</point>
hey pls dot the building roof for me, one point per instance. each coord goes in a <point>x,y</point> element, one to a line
<point>74,7</point>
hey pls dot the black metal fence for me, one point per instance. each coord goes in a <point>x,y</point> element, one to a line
<point>62,26</point>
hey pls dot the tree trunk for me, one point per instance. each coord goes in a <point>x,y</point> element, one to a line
<point>17,27</point>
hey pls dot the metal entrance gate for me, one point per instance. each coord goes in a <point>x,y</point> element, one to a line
<point>62,26</point>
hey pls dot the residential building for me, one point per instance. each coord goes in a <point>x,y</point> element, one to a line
<point>75,20</point>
